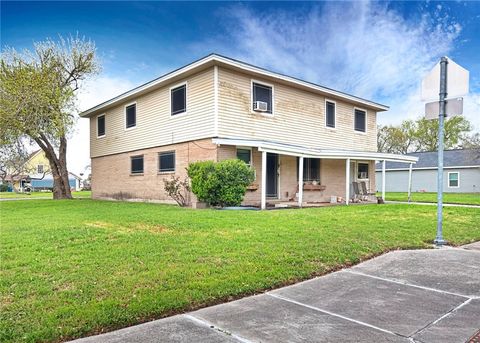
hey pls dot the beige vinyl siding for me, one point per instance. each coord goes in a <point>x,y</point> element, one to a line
<point>155,126</point>
<point>299,116</point>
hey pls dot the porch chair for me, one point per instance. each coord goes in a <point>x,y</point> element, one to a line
<point>357,196</point>
<point>364,190</point>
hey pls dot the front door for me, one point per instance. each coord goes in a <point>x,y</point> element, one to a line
<point>272,175</point>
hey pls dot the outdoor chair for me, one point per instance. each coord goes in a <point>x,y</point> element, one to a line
<point>364,190</point>
<point>357,196</point>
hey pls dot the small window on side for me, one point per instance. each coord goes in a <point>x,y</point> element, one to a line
<point>40,169</point>
<point>136,164</point>
<point>166,161</point>
<point>453,179</point>
<point>131,116</point>
<point>330,114</point>
<point>262,93</point>
<point>101,126</point>
<point>245,155</point>
<point>178,98</point>
<point>362,172</point>
<point>360,120</point>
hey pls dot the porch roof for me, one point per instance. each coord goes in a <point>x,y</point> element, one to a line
<point>297,150</point>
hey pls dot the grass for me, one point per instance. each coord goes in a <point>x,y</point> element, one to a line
<point>452,198</point>
<point>79,267</point>
<point>48,195</point>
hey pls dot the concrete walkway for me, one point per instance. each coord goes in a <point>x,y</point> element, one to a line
<point>403,296</point>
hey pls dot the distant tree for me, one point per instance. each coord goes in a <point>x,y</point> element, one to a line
<point>37,98</point>
<point>471,141</point>
<point>13,162</point>
<point>456,129</point>
<point>422,135</point>
<point>396,139</point>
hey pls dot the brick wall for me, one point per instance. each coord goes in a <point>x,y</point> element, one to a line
<point>111,177</point>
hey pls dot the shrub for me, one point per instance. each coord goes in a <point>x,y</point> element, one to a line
<point>177,190</point>
<point>3,187</point>
<point>222,183</point>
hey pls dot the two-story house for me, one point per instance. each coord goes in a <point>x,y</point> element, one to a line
<point>290,131</point>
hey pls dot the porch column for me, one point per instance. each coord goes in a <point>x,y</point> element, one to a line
<point>410,181</point>
<point>264,180</point>
<point>300,181</point>
<point>347,181</point>
<point>383,179</point>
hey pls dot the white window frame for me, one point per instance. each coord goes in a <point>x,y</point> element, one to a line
<point>356,170</point>
<point>181,114</point>
<point>245,148</point>
<point>105,128</point>
<point>251,159</point>
<point>262,83</point>
<point>458,179</point>
<point>43,168</point>
<point>334,114</point>
<point>366,121</point>
<point>174,162</point>
<point>125,116</point>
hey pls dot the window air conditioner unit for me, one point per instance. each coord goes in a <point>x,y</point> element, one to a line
<point>363,175</point>
<point>260,106</point>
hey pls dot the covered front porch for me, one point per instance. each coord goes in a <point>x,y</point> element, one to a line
<point>289,175</point>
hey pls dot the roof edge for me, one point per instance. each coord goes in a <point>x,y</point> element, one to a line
<point>216,58</point>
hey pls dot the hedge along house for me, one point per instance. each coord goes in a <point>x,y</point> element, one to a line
<point>461,172</point>
<point>306,142</point>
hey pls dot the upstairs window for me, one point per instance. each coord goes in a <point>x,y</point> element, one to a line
<point>131,116</point>
<point>136,164</point>
<point>330,114</point>
<point>453,180</point>
<point>262,94</point>
<point>166,161</point>
<point>40,169</point>
<point>101,126</point>
<point>311,169</point>
<point>360,120</point>
<point>245,155</point>
<point>362,171</point>
<point>178,98</point>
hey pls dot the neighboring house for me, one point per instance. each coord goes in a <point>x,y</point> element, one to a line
<point>38,174</point>
<point>218,108</point>
<point>461,172</point>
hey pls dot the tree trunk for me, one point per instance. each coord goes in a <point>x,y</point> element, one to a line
<point>62,168</point>
<point>58,167</point>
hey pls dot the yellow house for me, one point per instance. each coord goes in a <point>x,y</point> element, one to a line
<point>37,175</point>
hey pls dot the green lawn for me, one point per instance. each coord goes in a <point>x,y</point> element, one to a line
<point>78,267</point>
<point>452,198</point>
<point>49,195</point>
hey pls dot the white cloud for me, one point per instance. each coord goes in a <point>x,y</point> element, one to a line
<point>363,48</point>
<point>94,92</point>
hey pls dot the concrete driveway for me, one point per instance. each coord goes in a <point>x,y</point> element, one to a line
<point>403,296</point>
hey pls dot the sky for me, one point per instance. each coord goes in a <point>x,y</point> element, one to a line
<point>376,50</point>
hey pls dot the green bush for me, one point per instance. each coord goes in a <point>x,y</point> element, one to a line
<point>222,183</point>
<point>3,187</point>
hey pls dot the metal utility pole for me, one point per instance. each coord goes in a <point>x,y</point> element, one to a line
<point>434,85</point>
<point>439,241</point>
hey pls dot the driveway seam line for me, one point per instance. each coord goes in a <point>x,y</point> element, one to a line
<point>409,284</point>
<point>453,310</point>
<point>216,328</point>
<point>336,315</point>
